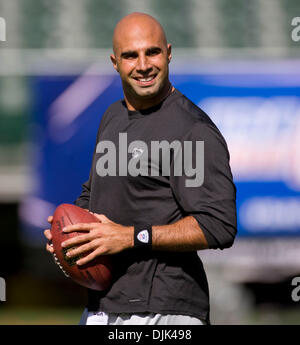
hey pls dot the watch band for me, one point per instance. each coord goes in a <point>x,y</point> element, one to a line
<point>143,236</point>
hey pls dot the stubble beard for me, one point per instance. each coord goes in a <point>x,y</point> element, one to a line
<point>141,95</point>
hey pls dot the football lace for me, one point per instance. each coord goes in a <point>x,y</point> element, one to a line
<point>59,265</point>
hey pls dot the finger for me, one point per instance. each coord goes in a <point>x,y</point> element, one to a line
<point>50,219</point>
<point>81,249</point>
<point>49,248</point>
<point>78,227</point>
<point>76,240</point>
<point>88,258</point>
<point>48,234</point>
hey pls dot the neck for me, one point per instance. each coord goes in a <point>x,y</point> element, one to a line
<point>140,104</point>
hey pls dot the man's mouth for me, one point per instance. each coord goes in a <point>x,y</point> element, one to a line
<point>145,81</point>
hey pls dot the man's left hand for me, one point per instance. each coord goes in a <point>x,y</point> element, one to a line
<point>103,238</point>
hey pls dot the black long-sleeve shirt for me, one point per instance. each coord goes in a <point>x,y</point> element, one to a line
<point>158,281</point>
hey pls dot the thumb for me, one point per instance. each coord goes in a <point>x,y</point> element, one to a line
<point>102,218</point>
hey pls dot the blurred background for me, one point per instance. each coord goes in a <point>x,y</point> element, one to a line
<point>238,60</point>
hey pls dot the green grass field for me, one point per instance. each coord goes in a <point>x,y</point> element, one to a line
<point>71,316</point>
<point>35,300</point>
<point>39,316</point>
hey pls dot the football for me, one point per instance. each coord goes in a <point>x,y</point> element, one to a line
<point>97,274</point>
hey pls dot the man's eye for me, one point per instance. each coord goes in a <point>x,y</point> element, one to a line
<point>129,56</point>
<point>154,52</point>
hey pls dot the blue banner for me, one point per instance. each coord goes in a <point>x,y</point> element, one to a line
<point>258,114</point>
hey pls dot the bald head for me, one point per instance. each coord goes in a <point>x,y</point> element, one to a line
<point>141,57</point>
<point>137,25</point>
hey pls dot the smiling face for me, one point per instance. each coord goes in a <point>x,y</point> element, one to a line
<point>141,56</point>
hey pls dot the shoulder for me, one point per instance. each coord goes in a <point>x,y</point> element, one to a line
<point>114,110</point>
<point>195,119</point>
<point>188,111</point>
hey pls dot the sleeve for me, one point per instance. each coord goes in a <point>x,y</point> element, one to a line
<point>213,201</point>
<point>84,198</point>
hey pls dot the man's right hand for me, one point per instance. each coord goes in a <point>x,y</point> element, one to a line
<point>47,233</point>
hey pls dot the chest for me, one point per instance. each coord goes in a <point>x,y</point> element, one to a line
<point>138,147</point>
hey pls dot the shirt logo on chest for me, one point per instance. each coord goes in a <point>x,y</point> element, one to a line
<point>136,152</point>
<point>154,158</point>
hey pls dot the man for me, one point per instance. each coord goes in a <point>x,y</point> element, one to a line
<point>153,224</point>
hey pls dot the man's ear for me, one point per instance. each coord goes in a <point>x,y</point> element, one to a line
<point>114,62</point>
<point>169,52</point>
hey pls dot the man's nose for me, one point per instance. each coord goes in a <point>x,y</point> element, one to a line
<point>143,65</point>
